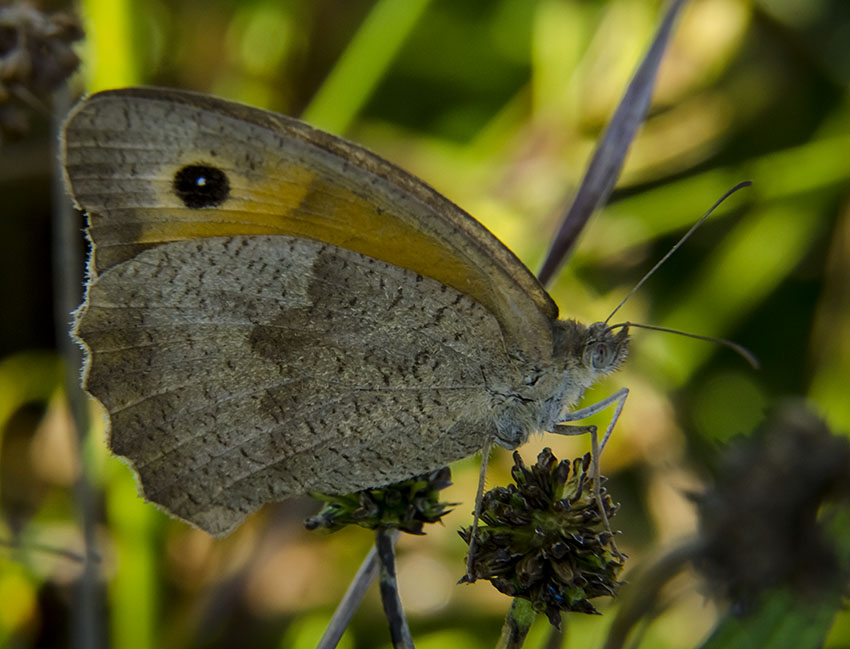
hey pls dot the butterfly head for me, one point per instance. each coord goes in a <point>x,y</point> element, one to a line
<point>604,349</point>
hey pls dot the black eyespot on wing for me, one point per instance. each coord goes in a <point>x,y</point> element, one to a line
<point>201,185</point>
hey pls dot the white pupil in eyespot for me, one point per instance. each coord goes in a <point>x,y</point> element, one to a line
<point>201,181</point>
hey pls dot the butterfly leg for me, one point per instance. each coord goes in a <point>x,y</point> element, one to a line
<point>562,428</point>
<point>619,397</point>
<point>479,501</point>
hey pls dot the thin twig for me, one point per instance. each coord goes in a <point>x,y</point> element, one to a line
<point>350,601</point>
<point>68,265</point>
<point>399,632</point>
<point>642,596</point>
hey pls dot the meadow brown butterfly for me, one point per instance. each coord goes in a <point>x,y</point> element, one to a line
<point>271,310</point>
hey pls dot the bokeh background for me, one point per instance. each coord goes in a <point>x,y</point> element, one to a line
<point>497,104</point>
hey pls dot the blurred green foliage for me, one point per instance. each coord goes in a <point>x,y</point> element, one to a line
<point>497,104</point>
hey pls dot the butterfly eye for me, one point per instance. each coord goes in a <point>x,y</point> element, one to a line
<point>200,185</point>
<point>598,355</point>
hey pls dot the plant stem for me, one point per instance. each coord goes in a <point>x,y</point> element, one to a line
<point>350,601</point>
<point>517,623</point>
<point>642,597</point>
<point>399,632</point>
<point>87,622</point>
<point>556,637</point>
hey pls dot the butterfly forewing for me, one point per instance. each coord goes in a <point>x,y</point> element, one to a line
<point>127,153</point>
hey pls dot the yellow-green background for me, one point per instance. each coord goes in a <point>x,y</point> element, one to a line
<point>497,104</point>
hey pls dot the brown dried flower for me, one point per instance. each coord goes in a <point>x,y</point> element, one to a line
<point>544,539</point>
<point>35,58</point>
<point>406,505</point>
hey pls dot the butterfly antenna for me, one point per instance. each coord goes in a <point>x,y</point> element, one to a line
<point>685,237</point>
<point>742,351</point>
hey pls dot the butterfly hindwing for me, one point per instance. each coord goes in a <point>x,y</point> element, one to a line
<point>240,370</point>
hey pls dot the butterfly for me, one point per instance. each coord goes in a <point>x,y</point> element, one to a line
<point>271,310</point>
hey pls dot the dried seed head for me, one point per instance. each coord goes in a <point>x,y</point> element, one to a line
<point>543,538</point>
<point>765,522</point>
<point>406,505</point>
<point>35,58</point>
